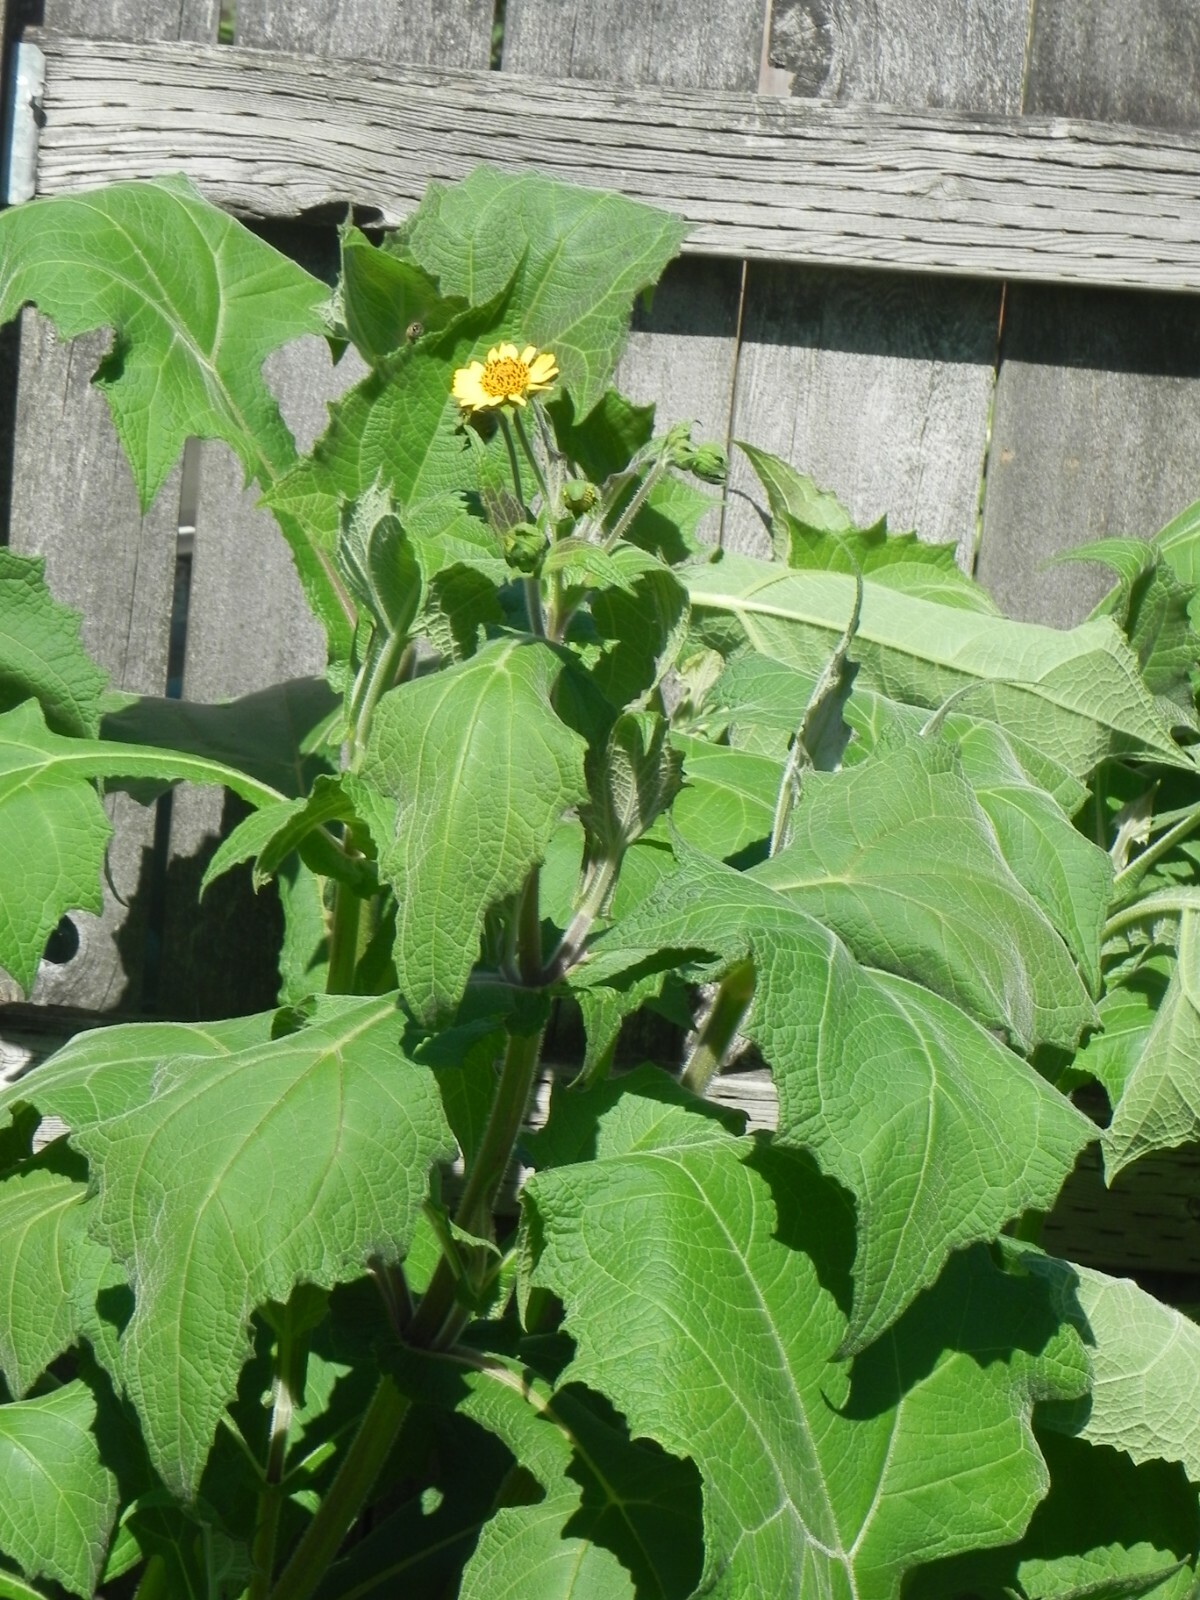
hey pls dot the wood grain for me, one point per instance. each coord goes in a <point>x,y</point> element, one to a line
<point>1048,199</point>
<point>879,385</point>
<point>682,351</point>
<point>74,502</point>
<point>1098,398</point>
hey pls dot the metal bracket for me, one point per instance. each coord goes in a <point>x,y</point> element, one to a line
<point>23,122</point>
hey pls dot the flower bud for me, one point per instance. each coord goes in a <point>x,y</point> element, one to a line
<point>524,547</point>
<point>579,496</point>
<point>710,463</point>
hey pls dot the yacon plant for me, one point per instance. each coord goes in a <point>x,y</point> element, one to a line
<point>272,1321</point>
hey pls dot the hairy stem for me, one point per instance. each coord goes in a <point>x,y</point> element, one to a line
<point>343,940</point>
<point>440,1317</point>
<point>655,472</point>
<point>347,1494</point>
<point>531,457</point>
<point>729,1006</point>
<point>514,463</point>
<point>1128,881</point>
<point>289,1379</point>
<point>598,886</point>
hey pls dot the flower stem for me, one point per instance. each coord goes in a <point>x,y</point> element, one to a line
<point>347,1494</point>
<point>729,1006</point>
<point>533,607</point>
<point>532,459</point>
<point>514,464</point>
<point>638,500</point>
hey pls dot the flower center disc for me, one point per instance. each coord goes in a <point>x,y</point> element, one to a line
<point>505,377</point>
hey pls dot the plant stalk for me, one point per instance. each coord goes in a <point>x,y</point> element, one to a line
<point>1129,880</point>
<point>653,474</point>
<point>288,1380</point>
<point>732,1000</point>
<point>347,1494</point>
<point>535,464</point>
<point>441,1316</point>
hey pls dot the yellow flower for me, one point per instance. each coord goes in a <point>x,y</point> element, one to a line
<point>504,378</point>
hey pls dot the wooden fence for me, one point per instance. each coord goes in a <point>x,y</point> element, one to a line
<point>945,258</point>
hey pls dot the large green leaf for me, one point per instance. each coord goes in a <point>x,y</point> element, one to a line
<point>1145,1366</point>
<point>399,428</point>
<point>40,650</point>
<point>466,776</point>
<point>728,799</point>
<point>232,1171</point>
<point>1159,1104</point>
<point>1076,694</point>
<point>613,1519</point>
<point>705,1288</point>
<point>274,734</point>
<point>1108,1530</point>
<point>53,829</point>
<point>195,300</point>
<point>909,1104</point>
<point>576,260</point>
<point>898,858</point>
<point>46,1255</point>
<point>810,528</point>
<point>58,1500</point>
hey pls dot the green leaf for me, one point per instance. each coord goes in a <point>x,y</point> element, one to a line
<point>576,258</point>
<point>1076,695</point>
<point>603,442</point>
<point>58,1501</point>
<point>641,630</point>
<point>465,778</point>
<point>1151,604</point>
<point>728,799</point>
<point>1106,1531</point>
<point>53,829</point>
<point>233,1171</point>
<point>899,1095</point>
<point>810,528</point>
<point>378,563</point>
<point>270,834</point>
<point>898,858</point>
<point>41,653</point>
<point>1159,1106</point>
<point>274,735</point>
<point>1128,1009</point>
<point>195,300</point>
<point>1068,876</point>
<point>1145,1366</point>
<point>611,1519</point>
<point>639,777</point>
<point>382,297</point>
<point>46,1252</point>
<point>846,1475</point>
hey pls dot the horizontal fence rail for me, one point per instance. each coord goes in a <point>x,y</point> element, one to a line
<point>273,135</point>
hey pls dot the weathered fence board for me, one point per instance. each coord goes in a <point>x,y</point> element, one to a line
<point>879,385</point>
<point>73,502</point>
<point>1098,396</point>
<point>683,352</point>
<point>759,176</point>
